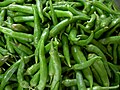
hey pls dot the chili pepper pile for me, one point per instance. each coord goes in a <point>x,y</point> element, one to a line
<point>59,45</point>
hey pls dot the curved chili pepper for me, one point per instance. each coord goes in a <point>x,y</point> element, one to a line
<point>85,64</point>
<point>60,26</point>
<point>73,35</point>
<point>42,58</point>
<point>80,58</point>
<point>99,67</point>
<point>8,74</point>
<point>35,79</point>
<point>93,48</point>
<point>86,41</point>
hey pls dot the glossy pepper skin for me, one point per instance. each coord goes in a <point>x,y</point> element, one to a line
<point>93,48</point>
<point>98,65</point>
<point>42,58</point>
<point>80,82</point>
<point>57,68</point>
<point>80,58</point>
<point>59,45</point>
<point>8,74</point>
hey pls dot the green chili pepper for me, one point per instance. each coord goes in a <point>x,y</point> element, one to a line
<point>74,11</point>
<point>93,48</point>
<point>110,40</point>
<point>114,22</point>
<point>101,47</point>
<point>99,11</point>
<point>104,88</point>
<point>58,7</point>
<point>22,36</point>
<point>13,77</point>
<point>91,22</point>
<point>51,70</point>
<point>60,26</point>
<point>19,52</point>
<point>32,69</point>
<point>53,14</point>
<point>31,24</point>
<point>80,25</point>
<point>20,8</point>
<point>57,68</point>
<point>20,71</point>
<point>100,32</point>
<point>73,82</point>
<point>112,30</point>
<point>80,58</point>
<point>105,22</point>
<point>60,13</point>
<point>66,49</point>
<point>73,35</point>
<point>116,77</point>
<point>39,5</point>
<point>84,28</point>
<point>23,18</point>
<point>85,64</point>
<point>7,2</point>
<point>75,4</point>
<point>92,10</point>
<point>80,82</point>
<point>69,82</point>
<point>85,42</point>
<point>47,47</point>
<point>35,79</point>
<point>96,75</point>
<point>43,66</point>
<point>19,28</point>
<point>99,67</point>
<point>68,29</point>
<point>97,22</point>
<point>14,14</point>
<point>25,49</point>
<point>37,27</point>
<point>8,74</point>
<point>103,7</point>
<point>44,36</point>
<point>8,44</point>
<point>2,16</point>
<point>87,6</point>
